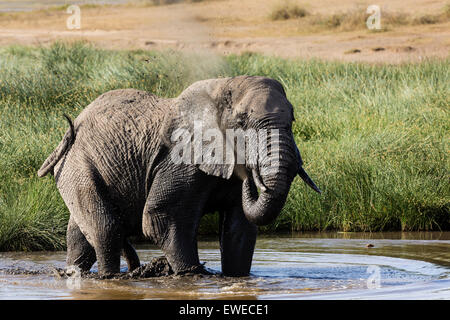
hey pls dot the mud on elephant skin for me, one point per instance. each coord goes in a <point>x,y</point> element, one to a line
<point>116,172</point>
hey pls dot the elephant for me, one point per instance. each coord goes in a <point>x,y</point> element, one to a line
<point>116,173</point>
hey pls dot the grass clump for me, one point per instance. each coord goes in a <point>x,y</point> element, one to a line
<point>165,2</point>
<point>287,10</point>
<point>446,10</point>
<point>374,138</point>
<point>357,18</point>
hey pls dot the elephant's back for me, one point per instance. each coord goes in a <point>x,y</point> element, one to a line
<point>125,101</point>
<point>116,134</point>
<point>118,119</point>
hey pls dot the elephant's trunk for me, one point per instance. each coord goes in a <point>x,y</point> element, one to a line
<point>261,209</point>
<point>273,181</point>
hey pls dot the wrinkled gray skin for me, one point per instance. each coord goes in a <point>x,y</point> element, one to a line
<point>114,171</point>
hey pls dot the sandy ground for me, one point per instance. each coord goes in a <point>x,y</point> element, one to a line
<point>236,26</point>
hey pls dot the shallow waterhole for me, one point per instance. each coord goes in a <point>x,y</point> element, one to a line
<point>299,266</point>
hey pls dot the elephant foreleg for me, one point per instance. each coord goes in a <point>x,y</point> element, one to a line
<point>237,242</point>
<point>172,214</point>
<point>177,240</point>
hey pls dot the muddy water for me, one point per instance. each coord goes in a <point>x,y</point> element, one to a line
<point>299,266</point>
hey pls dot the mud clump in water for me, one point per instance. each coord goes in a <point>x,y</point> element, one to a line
<point>22,271</point>
<point>158,267</point>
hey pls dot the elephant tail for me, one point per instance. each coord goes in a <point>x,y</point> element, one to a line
<point>62,148</point>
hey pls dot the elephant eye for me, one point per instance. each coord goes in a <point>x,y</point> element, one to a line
<point>240,119</point>
<point>227,99</point>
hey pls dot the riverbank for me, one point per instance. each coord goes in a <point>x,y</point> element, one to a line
<point>373,137</point>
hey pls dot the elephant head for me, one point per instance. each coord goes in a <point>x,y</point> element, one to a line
<point>249,104</point>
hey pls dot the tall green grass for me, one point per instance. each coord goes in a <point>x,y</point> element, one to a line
<point>374,138</point>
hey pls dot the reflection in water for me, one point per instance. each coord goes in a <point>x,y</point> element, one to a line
<point>312,266</point>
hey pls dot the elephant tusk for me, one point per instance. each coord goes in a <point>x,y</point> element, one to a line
<point>258,181</point>
<point>302,173</point>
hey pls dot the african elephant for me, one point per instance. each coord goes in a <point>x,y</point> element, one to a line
<point>115,171</point>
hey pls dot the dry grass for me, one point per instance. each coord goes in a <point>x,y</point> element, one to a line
<point>165,2</point>
<point>356,19</point>
<point>446,10</point>
<point>287,10</point>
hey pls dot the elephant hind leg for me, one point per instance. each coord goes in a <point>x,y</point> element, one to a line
<point>79,251</point>
<point>130,256</point>
<point>99,219</point>
<point>82,255</point>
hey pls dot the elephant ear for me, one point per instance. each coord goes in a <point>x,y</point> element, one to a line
<point>193,128</point>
